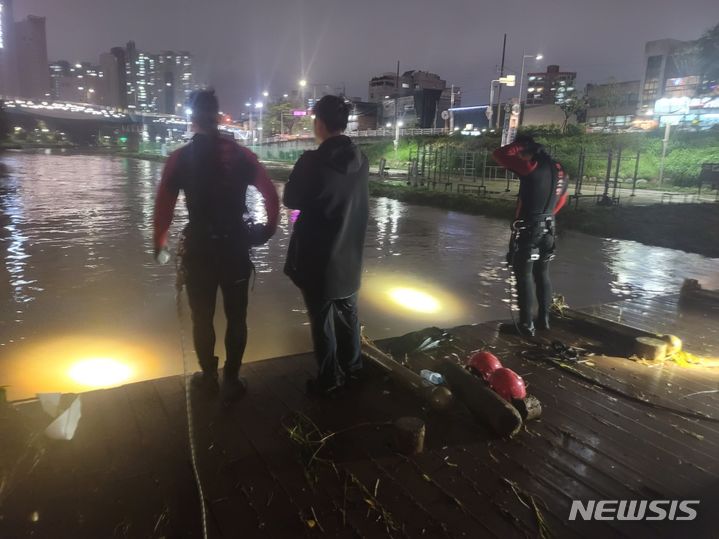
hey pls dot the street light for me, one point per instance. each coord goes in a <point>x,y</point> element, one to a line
<point>248,104</point>
<point>303,85</point>
<point>260,105</point>
<point>397,125</point>
<point>188,113</point>
<point>266,94</point>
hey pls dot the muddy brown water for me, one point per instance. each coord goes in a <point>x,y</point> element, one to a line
<point>84,305</point>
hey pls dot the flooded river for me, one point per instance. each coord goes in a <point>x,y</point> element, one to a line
<point>84,305</point>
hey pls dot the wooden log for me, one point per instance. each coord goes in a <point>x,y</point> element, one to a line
<point>409,435</point>
<point>650,348</point>
<point>437,397</point>
<point>694,295</point>
<point>486,406</point>
<point>674,344</point>
<point>529,407</point>
<point>609,326</point>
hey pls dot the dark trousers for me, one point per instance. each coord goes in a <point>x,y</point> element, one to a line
<point>534,288</point>
<point>336,336</point>
<point>204,274</point>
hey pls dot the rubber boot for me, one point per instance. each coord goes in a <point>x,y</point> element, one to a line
<point>234,387</point>
<point>542,323</point>
<point>526,330</point>
<point>206,382</point>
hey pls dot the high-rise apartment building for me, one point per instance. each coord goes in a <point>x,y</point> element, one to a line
<point>81,82</point>
<point>8,67</point>
<point>149,82</point>
<point>174,81</point>
<point>552,87</point>
<point>31,56</point>
<point>141,79</point>
<point>114,89</point>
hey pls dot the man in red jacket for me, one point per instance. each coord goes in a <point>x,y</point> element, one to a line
<point>542,193</point>
<point>214,173</point>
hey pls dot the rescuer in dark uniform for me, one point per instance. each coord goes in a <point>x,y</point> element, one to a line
<point>214,172</point>
<point>542,193</point>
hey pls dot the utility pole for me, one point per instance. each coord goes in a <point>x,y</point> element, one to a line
<point>521,83</point>
<point>451,112</point>
<point>665,143</point>
<point>396,95</point>
<point>501,74</point>
<point>396,110</point>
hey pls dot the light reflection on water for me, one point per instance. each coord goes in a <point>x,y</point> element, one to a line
<point>77,280</point>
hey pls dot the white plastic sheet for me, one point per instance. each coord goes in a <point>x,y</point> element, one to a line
<point>65,423</point>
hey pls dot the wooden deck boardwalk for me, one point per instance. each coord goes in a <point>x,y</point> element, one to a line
<point>127,472</point>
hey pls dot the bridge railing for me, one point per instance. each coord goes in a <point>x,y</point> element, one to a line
<point>383,132</point>
<point>403,132</point>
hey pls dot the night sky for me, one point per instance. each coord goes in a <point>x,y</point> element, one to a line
<point>243,48</point>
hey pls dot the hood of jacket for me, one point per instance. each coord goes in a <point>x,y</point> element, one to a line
<point>341,154</point>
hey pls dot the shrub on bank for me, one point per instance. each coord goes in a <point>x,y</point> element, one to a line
<point>685,154</point>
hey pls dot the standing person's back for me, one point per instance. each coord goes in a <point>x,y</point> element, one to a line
<point>330,188</point>
<point>214,173</point>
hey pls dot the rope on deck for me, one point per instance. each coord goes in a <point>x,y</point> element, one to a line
<point>190,423</point>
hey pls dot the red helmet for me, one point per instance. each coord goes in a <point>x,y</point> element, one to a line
<point>485,363</point>
<point>508,384</point>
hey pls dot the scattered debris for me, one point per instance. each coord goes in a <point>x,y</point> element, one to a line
<point>528,501</point>
<point>700,393</point>
<point>316,520</point>
<point>689,433</point>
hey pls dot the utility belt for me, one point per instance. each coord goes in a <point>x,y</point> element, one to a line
<point>213,233</point>
<point>533,227</point>
<point>533,221</point>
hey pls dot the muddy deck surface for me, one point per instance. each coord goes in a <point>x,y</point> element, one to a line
<point>127,472</point>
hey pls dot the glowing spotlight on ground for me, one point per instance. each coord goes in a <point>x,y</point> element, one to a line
<point>414,300</point>
<point>99,372</point>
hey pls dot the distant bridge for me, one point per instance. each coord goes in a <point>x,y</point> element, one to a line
<point>84,123</point>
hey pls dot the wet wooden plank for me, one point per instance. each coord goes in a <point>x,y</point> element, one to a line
<point>588,444</point>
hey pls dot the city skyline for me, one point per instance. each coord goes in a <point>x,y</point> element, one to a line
<point>245,51</point>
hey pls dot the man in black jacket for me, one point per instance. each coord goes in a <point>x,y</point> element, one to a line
<point>329,187</point>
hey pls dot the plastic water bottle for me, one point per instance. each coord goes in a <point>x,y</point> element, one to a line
<point>163,257</point>
<point>432,377</point>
